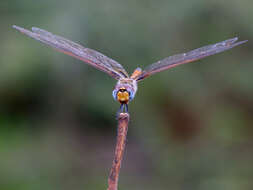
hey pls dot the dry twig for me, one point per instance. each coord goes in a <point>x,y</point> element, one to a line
<point>123,120</point>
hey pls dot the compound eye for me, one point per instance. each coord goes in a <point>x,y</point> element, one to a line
<point>114,94</point>
<point>130,95</point>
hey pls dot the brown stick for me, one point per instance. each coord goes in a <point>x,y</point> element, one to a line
<point>123,120</point>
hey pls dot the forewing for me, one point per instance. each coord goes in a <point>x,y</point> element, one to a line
<point>193,55</point>
<point>91,57</point>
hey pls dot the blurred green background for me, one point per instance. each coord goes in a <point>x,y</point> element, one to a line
<point>191,126</point>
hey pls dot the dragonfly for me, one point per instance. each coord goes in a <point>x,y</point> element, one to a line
<point>126,86</point>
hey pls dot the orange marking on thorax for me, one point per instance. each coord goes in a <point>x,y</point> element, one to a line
<point>137,72</point>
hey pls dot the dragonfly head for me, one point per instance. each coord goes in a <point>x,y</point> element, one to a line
<point>122,95</point>
<point>124,90</point>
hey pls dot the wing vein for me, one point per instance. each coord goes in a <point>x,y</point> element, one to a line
<point>91,57</point>
<point>190,56</point>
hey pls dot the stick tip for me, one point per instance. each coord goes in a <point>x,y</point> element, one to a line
<point>123,115</point>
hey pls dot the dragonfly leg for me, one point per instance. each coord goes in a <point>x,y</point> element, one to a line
<point>126,108</point>
<point>121,108</point>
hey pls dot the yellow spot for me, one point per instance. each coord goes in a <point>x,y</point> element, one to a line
<point>123,97</point>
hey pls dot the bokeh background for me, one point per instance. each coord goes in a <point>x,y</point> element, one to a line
<point>191,126</point>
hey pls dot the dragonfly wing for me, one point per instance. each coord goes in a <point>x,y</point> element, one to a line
<point>91,57</point>
<point>191,56</point>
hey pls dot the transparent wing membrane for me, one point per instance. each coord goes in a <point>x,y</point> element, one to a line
<point>91,57</point>
<point>191,56</point>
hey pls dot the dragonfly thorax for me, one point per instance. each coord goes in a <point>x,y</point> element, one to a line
<point>125,90</point>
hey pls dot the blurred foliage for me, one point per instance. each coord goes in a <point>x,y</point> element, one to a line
<point>191,127</point>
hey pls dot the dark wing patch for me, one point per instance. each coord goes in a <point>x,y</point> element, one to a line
<point>91,57</point>
<point>193,55</point>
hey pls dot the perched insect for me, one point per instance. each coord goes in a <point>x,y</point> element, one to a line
<point>126,86</point>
